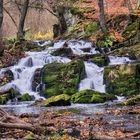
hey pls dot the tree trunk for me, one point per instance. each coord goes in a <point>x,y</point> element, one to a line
<point>102,16</point>
<point>21,32</point>
<point>1,15</point>
<point>1,21</point>
<point>138,5</point>
<point>129,4</point>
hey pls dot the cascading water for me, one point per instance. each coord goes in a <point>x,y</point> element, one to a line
<point>24,71</point>
<point>94,78</point>
<point>114,60</point>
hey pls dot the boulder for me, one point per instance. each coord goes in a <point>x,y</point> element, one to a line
<point>90,96</point>
<point>62,78</point>
<point>36,79</point>
<point>64,52</point>
<point>132,52</point>
<point>6,78</point>
<point>122,79</point>
<point>8,95</point>
<point>25,97</point>
<point>59,100</point>
<point>132,101</point>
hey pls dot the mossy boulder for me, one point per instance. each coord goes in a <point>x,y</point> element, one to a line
<point>131,30</point>
<point>59,100</point>
<point>62,78</point>
<point>7,77</point>
<point>8,95</point>
<point>25,97</point>
<point>90,96</point>
<point>64,52</point>
<point>132,101</point>
<point>132,52</point>
<point>123,79</point>
<point>99,60</point>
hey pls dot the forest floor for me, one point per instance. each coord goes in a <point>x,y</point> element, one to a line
<point>116,123</point>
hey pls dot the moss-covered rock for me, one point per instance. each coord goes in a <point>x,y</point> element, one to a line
<point>122,79</point>
<point>59,100</point>
<point>132,52</point>
<point>99,60</point>
<point>64,52</point>
<point>90,96</point>
<point>25,97</point>
<point>8,95</point>
<point>8,77</point>
<point>131,30</point>
<point>62,78</point>
<point>132,101</point>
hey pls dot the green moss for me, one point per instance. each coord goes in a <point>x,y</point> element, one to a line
<point>8,95</point>
<point>62,78</point>
<point>3,99</point>
<point>97,99</point>
<point>25,97</point>
<point>65,52</point>
<point>122,79</point>
<point>75,11</point>
<point>91,28</point>
<point>131,30</point>
<point>59,100</point>
<point>99,60</point>
<point>89,96</point>
<point>132,101</point>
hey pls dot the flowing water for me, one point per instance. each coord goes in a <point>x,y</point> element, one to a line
<point>24,70</point>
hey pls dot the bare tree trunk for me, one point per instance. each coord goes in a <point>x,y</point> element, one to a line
<point>1,16</point>
<point>138,5</point>
<point>1,21</point>
<point>21,32</point>
<point>102,16</point>
<point>129,4</point>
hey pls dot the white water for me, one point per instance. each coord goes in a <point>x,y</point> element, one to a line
<point>25,69</point>
<point>114,60</point>
<point>94,78</point>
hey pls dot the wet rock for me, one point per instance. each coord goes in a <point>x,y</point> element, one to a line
<point>62,78</point>
<point>133,52</point>
<point>132,101</point>
<point>8,95</point>
<point>36,79</point>
<point>1,49</point>
<point>99,60</point>
<point>29,63</point>
<point>6,78</point>
<point>59,100</point>
<point>64,52</point>
<point>25,97</point>
<point>90,96</point>
<point>122,79</point>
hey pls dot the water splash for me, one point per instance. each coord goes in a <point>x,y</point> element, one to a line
<point>94,78</point>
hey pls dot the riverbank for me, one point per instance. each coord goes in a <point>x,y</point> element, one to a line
<point>114,123</point>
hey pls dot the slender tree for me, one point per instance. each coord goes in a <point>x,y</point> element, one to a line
<point>102,16</point>
<point>1,15</point>
<point>129,4</point>
<point>21,32</point>
<point>1,21</point>
<point>138,5</point>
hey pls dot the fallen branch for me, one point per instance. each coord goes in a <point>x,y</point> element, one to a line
<point>8,121</point>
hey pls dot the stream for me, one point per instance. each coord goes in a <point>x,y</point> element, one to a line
<point>24,71</point>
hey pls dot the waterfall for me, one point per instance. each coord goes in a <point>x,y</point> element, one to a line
<point>24,70</point>
<point>94,78</point>
<point>114,60</point>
